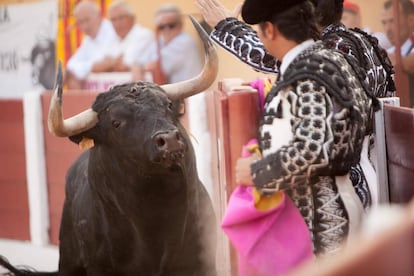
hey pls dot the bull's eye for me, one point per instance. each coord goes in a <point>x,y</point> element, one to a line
<point>116,123</point>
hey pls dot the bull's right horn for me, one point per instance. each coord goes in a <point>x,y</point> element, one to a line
<point>184,89</point>
<point>71,126</point>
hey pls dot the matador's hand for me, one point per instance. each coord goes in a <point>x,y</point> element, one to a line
<point>213,11</point>
<point>243,170</point>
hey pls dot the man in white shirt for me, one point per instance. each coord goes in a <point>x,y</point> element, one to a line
<point>99,35</point>
<point>132,43</point>
<point>180,57</point>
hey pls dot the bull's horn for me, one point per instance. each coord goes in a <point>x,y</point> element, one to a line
<point>184,89</point>
<point>72,126</point>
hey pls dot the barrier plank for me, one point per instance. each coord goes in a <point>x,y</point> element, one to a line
<point>399,131</point>
<point>14,210</point>
<point>236,112</point>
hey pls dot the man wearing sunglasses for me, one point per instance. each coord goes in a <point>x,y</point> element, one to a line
<point>177,50</point>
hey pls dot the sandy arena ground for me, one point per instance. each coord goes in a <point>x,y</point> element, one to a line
<point>41,258</point>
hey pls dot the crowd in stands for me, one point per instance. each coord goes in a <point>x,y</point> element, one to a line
<point>119,43</point>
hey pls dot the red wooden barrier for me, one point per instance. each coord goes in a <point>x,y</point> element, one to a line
<point>236,114</point>
<point>14,206</point>
<point>399,132</point>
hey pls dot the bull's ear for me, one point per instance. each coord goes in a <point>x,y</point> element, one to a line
<point>86,143</point>
<point>83,141</point>
<point>76,138</point>
<point>178,108</point>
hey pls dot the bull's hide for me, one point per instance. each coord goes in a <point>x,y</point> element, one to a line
<point>134,204</point>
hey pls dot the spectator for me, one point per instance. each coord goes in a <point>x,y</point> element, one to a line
<point>405,25</point>
<point>131,45</point>
<point>99,35</point>
<point>351,18</point>
<point>180,57</point>
<point>351,15</point>
<point>406,28</point>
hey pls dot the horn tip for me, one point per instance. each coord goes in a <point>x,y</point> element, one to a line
<point>59,80</point>
<point>198,27</point>
<point>192,18</point>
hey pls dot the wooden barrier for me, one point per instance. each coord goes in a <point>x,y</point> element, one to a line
<point>235,114</point>
<point>237,118</point>
<point>14,207</point>
<point>399,131</point>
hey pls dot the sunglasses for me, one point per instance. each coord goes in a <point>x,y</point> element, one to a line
<point>118,18</point>
<point>169,26</point>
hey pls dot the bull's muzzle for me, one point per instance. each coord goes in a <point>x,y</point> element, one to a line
<point>170,146</point>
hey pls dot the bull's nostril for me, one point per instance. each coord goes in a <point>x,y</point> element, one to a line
<point>169,140</point>
<point>160,142</point>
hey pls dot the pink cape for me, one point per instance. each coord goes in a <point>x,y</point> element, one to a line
<point>269,243</point>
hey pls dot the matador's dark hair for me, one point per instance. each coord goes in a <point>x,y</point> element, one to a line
<point>298,23</point>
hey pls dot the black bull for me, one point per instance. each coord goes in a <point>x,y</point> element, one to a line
<point>134,204</point>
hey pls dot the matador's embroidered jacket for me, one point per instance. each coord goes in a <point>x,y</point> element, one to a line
<point>242,41</point>
<point>322,107</point>
<point>366,50</point>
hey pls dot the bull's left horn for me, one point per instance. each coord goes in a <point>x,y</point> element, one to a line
<point>71,126</point>
<point>184,89</point>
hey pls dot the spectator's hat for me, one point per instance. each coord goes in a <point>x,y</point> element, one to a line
<point>256,11</point>
<point>351,7</point>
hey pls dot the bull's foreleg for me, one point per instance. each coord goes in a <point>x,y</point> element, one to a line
<point>69,252</point>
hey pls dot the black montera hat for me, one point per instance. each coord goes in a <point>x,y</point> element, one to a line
<point>256,11</point>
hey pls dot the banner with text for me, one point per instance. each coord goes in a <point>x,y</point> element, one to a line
<point>27,50</point>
